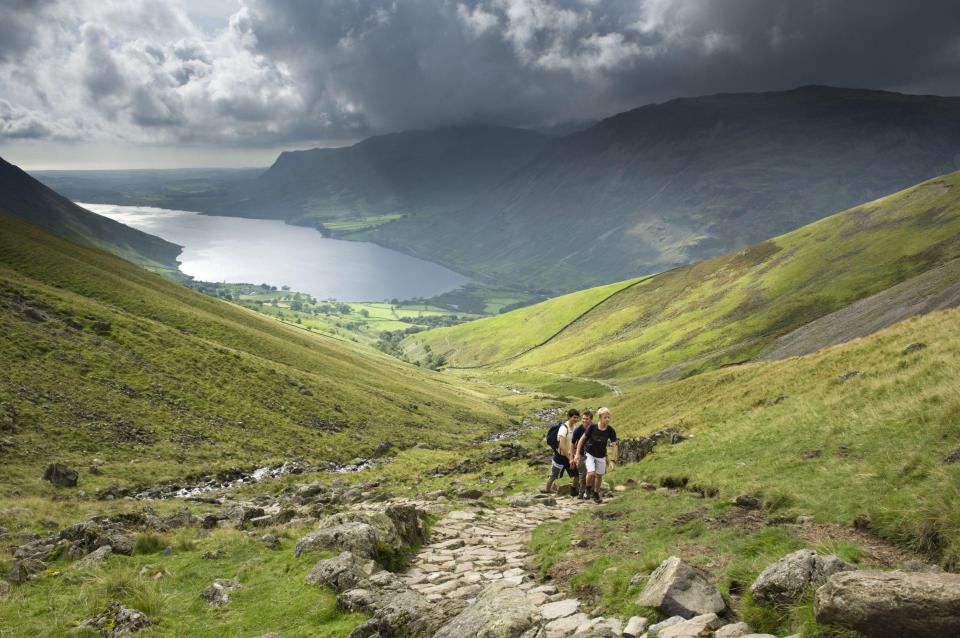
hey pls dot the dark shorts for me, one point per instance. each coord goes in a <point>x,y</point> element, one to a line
<point>559,464</point>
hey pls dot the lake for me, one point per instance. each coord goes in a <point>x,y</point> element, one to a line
<point>240,250</point>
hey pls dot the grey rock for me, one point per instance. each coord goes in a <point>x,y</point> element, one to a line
<point>747,502</point>
<point>892,604</point>
<point>359,532</point>
<point>96,556</point>
<point>636,627</point>
<point>342,572</point>
<point>61,475</point>
<point>500,611</point>
<point>678,589</point>
<point>656,628</point>
<point>787,579</point>
<point>117,621</point>
<point>23,569</point>
<point>217,594</point>
<point>5,590</point>
<point>735,630</point>
<point>692,628</point>
<point>559,609</point>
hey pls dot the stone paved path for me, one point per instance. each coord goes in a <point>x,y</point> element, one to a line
<point>475,547</point>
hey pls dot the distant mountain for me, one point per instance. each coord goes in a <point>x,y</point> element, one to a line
<point>414,173</point>
<point>25,197</point>
<point>668,184</point>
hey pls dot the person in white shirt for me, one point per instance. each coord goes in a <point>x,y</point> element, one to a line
<point>563,452</point>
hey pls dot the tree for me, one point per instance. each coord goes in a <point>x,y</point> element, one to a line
<point>285,287</point>
<point>364,312</point>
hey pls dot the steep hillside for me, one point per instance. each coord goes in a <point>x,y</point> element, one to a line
<point>105,359</point>
<point>853,450</point>
<point>673,183</point>
<point>25,197</point>
<point>727,309</point>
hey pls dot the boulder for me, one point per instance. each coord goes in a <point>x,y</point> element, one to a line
<point>359,531</point>
<point>634,449</point>
<point>787,579</point>
<point>678,589</point>
<point>342,572</point>
<point>500,611</point>
<point>91,535</point>
<point>892,604</point>
<point>747,502</point>
<point>117,621</point>
<point>693,628</point>
<point>5,589</point>
<point>636,627</point>
<point>96,556</point>
<point>22,569</point>
<point>217,594</point>
<point>408,522</point>
<point>61,475</point>
<point>655,629</point>
<point>736,630</point>
<point>397,611</point>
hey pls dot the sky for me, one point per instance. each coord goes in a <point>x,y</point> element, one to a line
<point>152,84</point>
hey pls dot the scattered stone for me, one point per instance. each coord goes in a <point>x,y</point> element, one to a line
<point>678,589</point>
<point>470,494</point>
<point>217,594</point>
<point>61,475</point>
<point>693,628</point>
<point>914,347</point>
<point>270,540</point>
<point>736,630</point>
<point>22,569</point>
<point>342,572</point>
<point>566,625</point>
<point>499,611</point>
<point>214,555</point>
<point>747,502</point>
<point>579,542</point>
<point>846,376</point>
<point>636,627</point>
<point>655,629</point>
<point>5,590</point>
<point>559,609</point>
<point>892,604</point>
<point>952,458</point>
<point>117,621</point>
<point>96,556</point>
<point>787,579</point>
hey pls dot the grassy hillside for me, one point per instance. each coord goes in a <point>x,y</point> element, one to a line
<point>726,309</point>
<point>865,432</point>
<point>108,360</point>
<point>25,197</point>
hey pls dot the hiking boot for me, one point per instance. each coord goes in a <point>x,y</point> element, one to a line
<point>588,494</point>
<point>596,498</point>
<point>573,491</point>
<point>582,496</point>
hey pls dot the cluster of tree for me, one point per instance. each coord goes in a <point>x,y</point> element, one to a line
<point>434,321</point>
<point>389,341</point>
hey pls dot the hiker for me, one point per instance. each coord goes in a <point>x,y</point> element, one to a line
<point>558,438</point>
<point>594,444</point>
<point>586,420</point>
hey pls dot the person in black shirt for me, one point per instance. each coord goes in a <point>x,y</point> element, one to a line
<point>563,455</point>
<point>593,444</point>
<point>581,480</point>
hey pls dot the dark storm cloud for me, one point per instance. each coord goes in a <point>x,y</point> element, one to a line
<point>303,71</point>
<point>424,63</point>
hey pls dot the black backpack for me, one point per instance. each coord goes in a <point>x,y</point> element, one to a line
<point>553,437</point>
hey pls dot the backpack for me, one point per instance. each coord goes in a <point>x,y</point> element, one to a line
<point>553,437</point>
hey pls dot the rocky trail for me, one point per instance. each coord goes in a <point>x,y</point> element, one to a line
<point>471,549</point>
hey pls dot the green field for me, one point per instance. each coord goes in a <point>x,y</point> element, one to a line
<point>721,311</point>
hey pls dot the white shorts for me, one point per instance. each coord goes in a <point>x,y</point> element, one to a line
<point>596,465</point>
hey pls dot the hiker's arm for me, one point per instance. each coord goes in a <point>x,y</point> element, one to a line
<point>612,453</point>
<point>580,445</point>
<point>564,445</point>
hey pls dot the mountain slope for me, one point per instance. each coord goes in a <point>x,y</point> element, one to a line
<point>414,172</point>
<point>727,309</point>
<point>669,184</point>
<point>25,197</point>
<point>108,360</point>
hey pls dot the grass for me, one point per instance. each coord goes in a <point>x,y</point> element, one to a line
<point>721,311</point>
<point>160,381</point>
<point>791,433</point>
<point>273,595</point>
